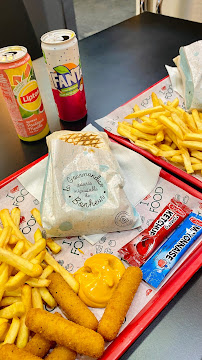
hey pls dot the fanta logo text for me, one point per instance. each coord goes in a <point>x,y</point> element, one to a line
<point>196,221</point>
<point>30,97</point>
<point>62,81</point>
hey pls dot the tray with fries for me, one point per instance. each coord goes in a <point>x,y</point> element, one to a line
<point>20,227</point>
<point>156,125</point>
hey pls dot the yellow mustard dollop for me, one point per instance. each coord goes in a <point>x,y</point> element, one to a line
<point>98,279</point>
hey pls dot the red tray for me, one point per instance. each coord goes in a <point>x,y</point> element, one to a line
<point>162,297</point>
<point>156,159</point>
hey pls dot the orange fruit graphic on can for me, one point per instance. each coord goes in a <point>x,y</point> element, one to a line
<point>21,93</point>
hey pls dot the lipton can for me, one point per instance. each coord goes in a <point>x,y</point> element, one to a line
<point>21,93</point>
<point>61,54</point>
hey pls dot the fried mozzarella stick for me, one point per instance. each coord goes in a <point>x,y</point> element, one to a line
<point>70,303</point>
<point>66,333</point>
<point>62,353</point>
<point>119,303</point>
<point>38,346</point>
<point>11,352</point>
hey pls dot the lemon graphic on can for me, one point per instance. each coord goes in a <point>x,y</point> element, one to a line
<point>29,97</point>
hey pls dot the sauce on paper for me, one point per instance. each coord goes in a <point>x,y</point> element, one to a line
<point>98,279</point>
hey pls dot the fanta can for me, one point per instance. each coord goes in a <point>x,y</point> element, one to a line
<point>21,93</point>
<point>61,54</point>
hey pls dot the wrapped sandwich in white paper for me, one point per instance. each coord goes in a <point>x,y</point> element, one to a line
<point>83,189</point>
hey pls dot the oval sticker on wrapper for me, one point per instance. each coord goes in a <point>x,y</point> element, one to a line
<point>85,190</point>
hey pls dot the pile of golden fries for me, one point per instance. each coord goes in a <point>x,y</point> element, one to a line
<point>167,131</point>
<point>24,269</point>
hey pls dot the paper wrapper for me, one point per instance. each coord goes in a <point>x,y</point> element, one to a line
<point>76,250</point>
<point>164,91</point>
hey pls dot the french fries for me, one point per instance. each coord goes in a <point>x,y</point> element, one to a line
<point>24,271</point>
<point>168,131</point>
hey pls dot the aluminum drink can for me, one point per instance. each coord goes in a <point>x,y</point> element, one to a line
<point>61,54</point>
<point>21,93</point>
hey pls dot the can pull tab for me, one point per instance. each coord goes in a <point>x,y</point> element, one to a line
<point>9,55</point>
<point>65,37</point>
<point>144,245</point>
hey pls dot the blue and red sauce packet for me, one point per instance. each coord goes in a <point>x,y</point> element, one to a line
<point>175,218</point>
<point>158,266</point>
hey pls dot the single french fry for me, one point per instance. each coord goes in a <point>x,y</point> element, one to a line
<point>174,103</point>
<point>16,309</point>
<point>193,145</point>
<point>197,154</point>
<point>165,147</point>
<point>169,153</point>
<point>193,136</point>
<point>156,115</point>
<point>37,235</point>
<point>187,161</point>
<point>2,321</point>
<point>47,297</point>
<point>15,216</point>
<point>36,299</point>
<point>36,213</point>
<point>142,135</point>
<point>155,99</point>
<point>195,160</point>
<point>197,166</point>
<point>177,159</point>
<point>4,327</point>
<point>47,271</point>
<point>13,331</point>
<point>197,119</point>
<point>53,246</point>
<point>8,300</point>
<point>39,283</point>
<point>172,126</point>
<point>140,113</point>
<point>3,278</point>
<point>69,278</point>
<point>151,148</point>
<point>35,249</point>
<point>23,334</point>
<point>160,136</point>
<point>5,236</point>
<point>16,292</point>
<point>190,121</point>
<point>33,270</point>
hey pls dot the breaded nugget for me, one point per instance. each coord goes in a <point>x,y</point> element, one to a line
<point>66,333</point>
<point>38,346</point>
<point>119,303</point>
<point>12,352</point>
<point>70,303</point>
<point>61,353</point>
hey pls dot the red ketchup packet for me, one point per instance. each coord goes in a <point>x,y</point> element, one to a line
<point>137,251</point>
